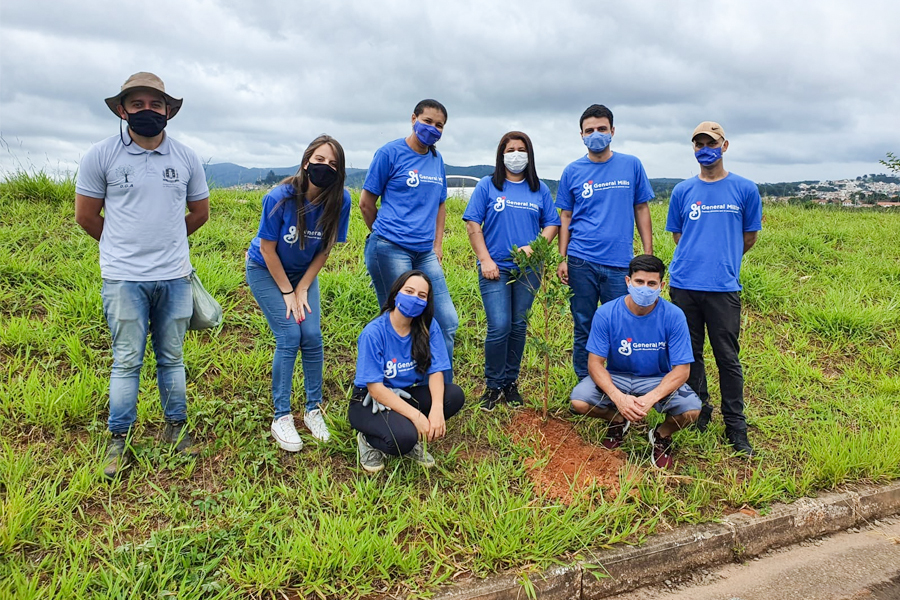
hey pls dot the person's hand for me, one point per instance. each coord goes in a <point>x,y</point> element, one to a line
<point>489,269</point>
<point>293,307</point>
<point>562,271</point>
<point>423,426</point>
<point>526,249</point>
<point>302,302</point>
<point>631,408</point>
<point>437,426</point>
<point>439,252</point>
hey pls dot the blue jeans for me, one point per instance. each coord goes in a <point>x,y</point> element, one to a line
<point>386,261</point>
<point>590,282</point>
<point>506,305</point>
<point>132,308</point>
<point>290,338</point>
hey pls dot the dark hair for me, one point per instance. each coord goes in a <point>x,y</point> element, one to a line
<point>499,176</point>
<point>421,325</point>
<point>429,103</point>
<point>598,111</point>
<point>331,199</point>
<point>647,263</point>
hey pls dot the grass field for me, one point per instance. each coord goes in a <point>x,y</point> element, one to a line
<point>821,349</point>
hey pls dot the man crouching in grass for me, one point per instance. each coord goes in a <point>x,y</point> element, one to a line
<point>142,181</point>
<point>639,357</point>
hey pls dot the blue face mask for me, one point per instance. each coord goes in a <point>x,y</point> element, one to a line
<point>708,156</point>
<point>597,142</point>
<point>643,295</point>
<point>427,134</point>
<point>409,305</point>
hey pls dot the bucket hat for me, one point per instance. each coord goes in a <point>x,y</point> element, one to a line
<point>144,81</point>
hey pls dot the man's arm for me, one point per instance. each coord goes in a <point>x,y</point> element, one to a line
<point>629,406</point>
<point>367,207</point>
<point>677,238</point>
<point>673,380</point>
<point>87,214</point>
<point>749,239</point>
<point>644,226</point>
<point>197,215</point>
<point>565,216</point>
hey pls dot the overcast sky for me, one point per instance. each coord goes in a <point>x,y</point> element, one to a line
<point>804,90</point>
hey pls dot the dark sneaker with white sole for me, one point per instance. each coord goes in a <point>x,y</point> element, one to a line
<point>511,394</point>
<point>490,398</point>
<point>177,434</point>
<point>662,450</point>
<point>615,434</point>
<point>738,440</point>
<point>118,456</point>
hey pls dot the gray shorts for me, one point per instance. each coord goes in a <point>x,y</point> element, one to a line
<point>680,401</point>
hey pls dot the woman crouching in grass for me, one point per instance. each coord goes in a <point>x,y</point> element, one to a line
<point>399,372</point>
<point>302,218</point>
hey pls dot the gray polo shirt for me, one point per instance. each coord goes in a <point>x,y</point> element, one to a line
<point>145,194</point>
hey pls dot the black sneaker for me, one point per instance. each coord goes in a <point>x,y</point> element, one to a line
<point>705,417</point>
<point>177,434</point>
<point>118,456</point>
<point>511,394</point>
<point>615,433</point>
<point>738,440</point>
<point>489,398</point>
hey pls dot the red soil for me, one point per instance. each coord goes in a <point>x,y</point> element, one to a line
<point>574,465</point>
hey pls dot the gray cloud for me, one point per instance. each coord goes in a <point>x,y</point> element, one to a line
<point>804,92</point>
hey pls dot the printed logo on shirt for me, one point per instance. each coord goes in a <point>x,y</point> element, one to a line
<point>170,174</point>
<point>392,367</point>
<point>627,346</point>
<point>291,237</point>
<point>699,208</point>
<point>500,204</point>
<point>125,171</point>
<point>616,184</point>
<point>413,179</point>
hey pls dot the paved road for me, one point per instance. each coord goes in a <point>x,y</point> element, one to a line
<point>860,564</point>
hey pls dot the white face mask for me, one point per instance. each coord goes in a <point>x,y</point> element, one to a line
<point>515,161</point>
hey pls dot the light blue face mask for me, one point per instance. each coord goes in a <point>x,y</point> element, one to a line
<point>597,142</point>
<point>643,295</point>
<point>708,156</point>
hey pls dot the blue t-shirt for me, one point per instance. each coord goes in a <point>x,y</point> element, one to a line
<point>602,197</point>
<point>383,356</point>
<point>647,346</point>
<point>712,218</point>
<point>412,186</point>
<point>513,216</point>
<point>280,225</point>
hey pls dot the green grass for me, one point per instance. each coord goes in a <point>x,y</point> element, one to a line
<point>821,349</point>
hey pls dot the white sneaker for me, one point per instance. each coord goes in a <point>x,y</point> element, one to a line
<point>286,435</point>
<point>316,424</point>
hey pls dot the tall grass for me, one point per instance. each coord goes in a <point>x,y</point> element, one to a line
<point>821,349</point>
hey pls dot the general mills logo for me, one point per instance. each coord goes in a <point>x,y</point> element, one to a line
<point>291,236</point>
<point>588,190</point>
<point>170,174</point>
<point>413,180</point>
<point>625,347</point>
<point>695,211</point>
<point>500,204</point>
<point>390,368</point>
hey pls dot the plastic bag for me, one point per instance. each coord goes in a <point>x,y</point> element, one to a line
<point>207,312</point>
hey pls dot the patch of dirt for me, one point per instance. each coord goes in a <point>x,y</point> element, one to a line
<point>573,465</point>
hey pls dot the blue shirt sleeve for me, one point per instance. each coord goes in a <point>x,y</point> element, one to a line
<point>674,221</point>
<point>643,191</point>
<point>197,188</point>
<point>440,361</point>
<point>379,173</point>
<point>752,211</point>
<point>598,340</point>
<point>564,198</point>
<point>270,223</point>
<point>679,338</point>
<point>369,356</point>
<point>91,179</point>
<point>478,201</point>
<point>549,216</point>
<point>344,222</point>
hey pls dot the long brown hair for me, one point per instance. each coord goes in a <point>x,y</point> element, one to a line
<point>499,176</point>
<point>331,199</point>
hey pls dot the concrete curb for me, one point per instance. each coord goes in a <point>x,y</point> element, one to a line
<point>737,537</point>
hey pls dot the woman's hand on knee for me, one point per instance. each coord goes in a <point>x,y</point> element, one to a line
<point>438,426</point>
<point>423,425</point>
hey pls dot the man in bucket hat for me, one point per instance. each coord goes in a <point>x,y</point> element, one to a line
<point>131,195</point>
